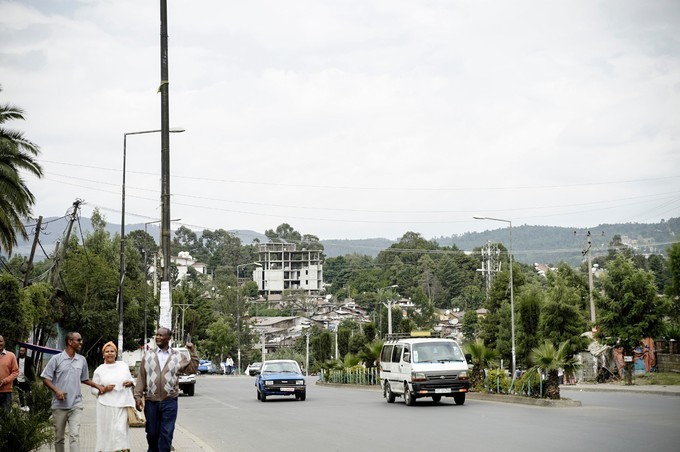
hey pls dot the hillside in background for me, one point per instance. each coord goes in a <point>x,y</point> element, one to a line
<point>531,244</point>
<point>551,244</point>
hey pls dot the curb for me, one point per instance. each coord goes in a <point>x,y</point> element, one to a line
<point>502,398</point>
<point>198,441</point>
<point>509,398</point>
<point>623,389</point>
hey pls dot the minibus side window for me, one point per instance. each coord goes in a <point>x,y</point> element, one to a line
<point>396,354</point>
<point>386,355</point>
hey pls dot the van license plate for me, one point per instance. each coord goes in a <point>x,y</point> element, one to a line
<point>442,390</point>
<point>287,389</point>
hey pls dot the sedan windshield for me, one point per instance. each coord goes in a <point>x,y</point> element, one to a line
<point>433,352</point>
<point>281,368</point>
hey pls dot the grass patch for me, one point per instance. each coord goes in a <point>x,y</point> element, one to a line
<point>658,378</point>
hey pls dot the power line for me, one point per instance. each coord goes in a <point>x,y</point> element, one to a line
<point>381,188</point>
<point>289,206</point>
<point>401,221</point>
<point>44,223</point>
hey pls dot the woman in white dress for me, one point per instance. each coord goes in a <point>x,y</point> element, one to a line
<point>113,403</point>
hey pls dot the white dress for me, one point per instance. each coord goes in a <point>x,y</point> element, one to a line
<point>112,414</point>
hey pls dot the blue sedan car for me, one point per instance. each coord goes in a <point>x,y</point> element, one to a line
<point>280,377</point>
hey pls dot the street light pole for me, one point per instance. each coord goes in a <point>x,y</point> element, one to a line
<point>146,271</point>
<point>122,238</point>
<point>238,312</point>
<point>307,355</point>
<point>512,293</point>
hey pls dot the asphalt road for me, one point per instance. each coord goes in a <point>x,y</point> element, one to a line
<point>226,415</point>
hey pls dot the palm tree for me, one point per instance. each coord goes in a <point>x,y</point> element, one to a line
<point>370,353</point>
<point>16,153</point>
<point>350,360</point>
<point>482,358</point>
<point>549,359</point>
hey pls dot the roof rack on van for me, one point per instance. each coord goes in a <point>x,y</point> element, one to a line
<point>396,336</point>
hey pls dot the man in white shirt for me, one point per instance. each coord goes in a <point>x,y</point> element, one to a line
<point>25,378</point>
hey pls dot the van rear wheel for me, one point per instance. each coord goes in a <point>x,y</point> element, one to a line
<point>436,398</point>
<point>388,394</point>
<point>409,399</point>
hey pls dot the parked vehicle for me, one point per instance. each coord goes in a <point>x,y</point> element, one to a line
<point>415,366</point>
<point>253,369</point>
<point>280,377</point>
<point>187,382</point>
<point>206,367</point>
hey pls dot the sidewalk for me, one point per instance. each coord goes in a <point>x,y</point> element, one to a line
<point>671,390</point>
<point>183,440</point>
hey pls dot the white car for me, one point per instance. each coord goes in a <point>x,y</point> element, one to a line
<point>253,369</point>
<point>187,382</point>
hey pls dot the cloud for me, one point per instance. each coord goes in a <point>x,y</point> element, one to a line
<point>354,118</point>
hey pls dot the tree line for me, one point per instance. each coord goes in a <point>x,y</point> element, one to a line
<point>636,297</point>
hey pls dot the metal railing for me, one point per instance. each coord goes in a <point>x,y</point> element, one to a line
<point>352,376</point>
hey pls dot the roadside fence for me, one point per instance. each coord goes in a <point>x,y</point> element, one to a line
<point>352,375</point>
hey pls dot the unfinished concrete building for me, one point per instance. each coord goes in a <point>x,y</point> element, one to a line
<point>285,268</point>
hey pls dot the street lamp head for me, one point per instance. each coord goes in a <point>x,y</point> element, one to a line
<point>493,219</point>
<point>177,129</point>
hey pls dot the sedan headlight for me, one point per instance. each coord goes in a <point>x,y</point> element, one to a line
<point>299,382</point>
<point>268,382</point>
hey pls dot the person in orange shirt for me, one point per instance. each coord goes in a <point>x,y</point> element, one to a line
<point>9,371</point>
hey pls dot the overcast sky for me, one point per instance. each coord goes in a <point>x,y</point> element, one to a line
<point>354,118</point>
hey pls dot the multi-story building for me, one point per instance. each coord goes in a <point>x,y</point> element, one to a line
<point>284,268</point>
<point>183,261</point>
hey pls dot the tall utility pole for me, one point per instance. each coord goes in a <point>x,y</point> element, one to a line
<point>388,305</point>
<point>512,295</point>
<point>491,265</point>
<point>238,312</point>
<point>29,267</point>
<point>307,355</point>
<point>337,349</point>
<point>590,278</point>
<point>165,163</point>
<point>59,254</point>
<point>381,292</point>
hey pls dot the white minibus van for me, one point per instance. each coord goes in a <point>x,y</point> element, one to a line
<point>415,367</point>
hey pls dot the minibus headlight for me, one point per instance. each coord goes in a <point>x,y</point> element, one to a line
<point>418,376</point>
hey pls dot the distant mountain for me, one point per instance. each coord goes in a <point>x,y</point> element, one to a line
<point>531,244</point>
<point>369,247</point>
<point>248,236</point>
<point>552,244</point>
